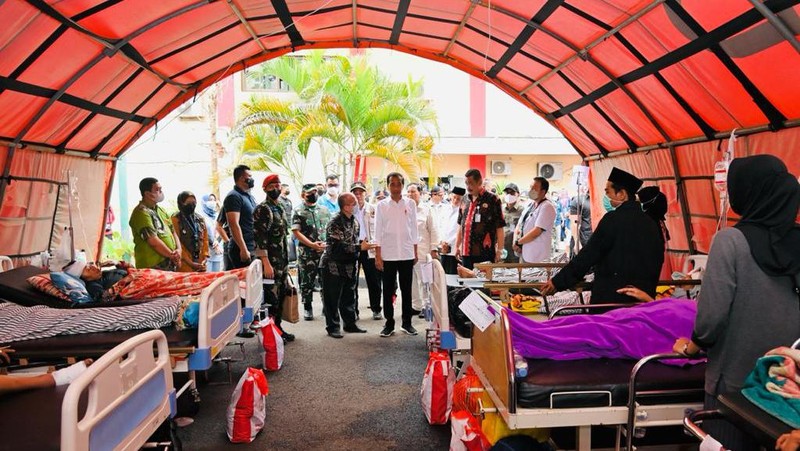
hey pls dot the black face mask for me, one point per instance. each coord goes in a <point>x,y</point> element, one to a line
<point>311,197</point>
<point>274,193</point>
<point>188,209</point>
<point>251,182</point>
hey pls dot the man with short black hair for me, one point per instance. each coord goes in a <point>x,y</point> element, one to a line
<point>237,210</point>
<point>512,211</point>
<point>365,215</point>
<point>330,199</point>
<point>480,235</point>
<point>626,249</point>
<point>308,226</point>
<point>156,245</point>
<point>450,231</point>
<point>396,237</point>
<point>534,232</point>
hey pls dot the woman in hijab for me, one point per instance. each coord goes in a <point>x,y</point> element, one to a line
<point>191,229</point>
<point>654,204</point>
<point>750,300</point>
<point>215,251</point>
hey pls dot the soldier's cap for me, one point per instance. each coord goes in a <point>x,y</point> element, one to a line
<point>309,187</point>
<point>511,187</point>
<point>358,185</point>
<point>270,179</point>
<point>630,182</point>
<point>459,191</point>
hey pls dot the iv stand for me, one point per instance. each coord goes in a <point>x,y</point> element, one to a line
<point>69,211</point>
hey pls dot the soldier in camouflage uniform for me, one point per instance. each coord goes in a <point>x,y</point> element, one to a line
<point>308,225</point>
<point>270,235</point>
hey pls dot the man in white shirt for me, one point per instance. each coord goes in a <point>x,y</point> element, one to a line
<point>533,235</point>
<point>365,215</point>
<point>396,254</point>
<point>427,229</point>
<point>440,209</point>
<point>450,231</point>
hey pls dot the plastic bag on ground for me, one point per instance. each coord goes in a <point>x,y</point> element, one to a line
<point>437,388</point>
<point>270,337</point>
<point>247,409</point>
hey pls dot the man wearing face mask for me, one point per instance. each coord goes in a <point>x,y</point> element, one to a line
<point>308,226</point>
<point>237,209</point>
<point>534,232</point>
<point>270,230</point>
<point>626,249</point>
<point>512,210</point>
<point>156,244</point>
<point>331,199</point>
<point>191,229</point>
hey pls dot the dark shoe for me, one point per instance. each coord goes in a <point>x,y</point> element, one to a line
<point>377,316</point>
<point>387,332</point>
<point>355,329</point>
<point>308,315</point>
<point>409,330</point>
<point>287,337</point>
<point>246,334</point>
<point>421,315</point>
<point>336,334</point>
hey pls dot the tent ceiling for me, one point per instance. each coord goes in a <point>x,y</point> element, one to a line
<point>613,75</point>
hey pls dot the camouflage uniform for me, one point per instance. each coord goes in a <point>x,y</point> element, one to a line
<point>270,235</point>
<point>311,221</point>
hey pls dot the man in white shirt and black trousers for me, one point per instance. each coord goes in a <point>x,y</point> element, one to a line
<point>396,237</point>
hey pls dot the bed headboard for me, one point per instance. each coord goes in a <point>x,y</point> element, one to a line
<point>439,297</point>
<point>130,393</point>
<point>492,353</point>
<point>254,291</point>
<point>220,313</point>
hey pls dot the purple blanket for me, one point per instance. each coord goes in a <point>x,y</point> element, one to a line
<point>626,333</point>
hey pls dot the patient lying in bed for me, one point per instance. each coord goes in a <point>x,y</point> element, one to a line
<point>626,333</point>
<point>127,282</point>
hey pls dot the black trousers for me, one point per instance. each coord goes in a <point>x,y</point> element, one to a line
<point>469,261</point>
<point>339,299</point>
<point>232,258</point>
<point>450,264</point>
<point>373,278</point>
<point>404,269</point>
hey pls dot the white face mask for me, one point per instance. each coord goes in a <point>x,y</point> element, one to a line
<point>533,195</point>
<point>510,198</point>
<point>333,190</point>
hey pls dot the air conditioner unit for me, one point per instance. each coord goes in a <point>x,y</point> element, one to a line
<point>501,167</point>
<point>551,171</point>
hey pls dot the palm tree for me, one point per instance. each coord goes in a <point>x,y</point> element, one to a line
<point>344,105</point>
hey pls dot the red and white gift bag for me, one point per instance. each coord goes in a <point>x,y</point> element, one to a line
<point>272,341</point>
<point>437,388</point>
<point>466,433</point>
<point>247,409</point>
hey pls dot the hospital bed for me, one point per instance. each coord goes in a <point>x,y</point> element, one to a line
<point>190,350</point>
<point>117,403</point>
<point>626,394</point>
<point>252,292</point>
<point>739,411</point>
<point>441,335</point>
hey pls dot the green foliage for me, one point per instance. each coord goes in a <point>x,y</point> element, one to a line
<point>343,104</point>
<point>116,249</point>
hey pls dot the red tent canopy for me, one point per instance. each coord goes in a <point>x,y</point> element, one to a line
<point>656,83</point>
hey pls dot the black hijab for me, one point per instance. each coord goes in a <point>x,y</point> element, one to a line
<point>767,197</point>
<point>654,204</point>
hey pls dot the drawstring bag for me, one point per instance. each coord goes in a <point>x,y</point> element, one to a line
<point>271,340</point>
<point>437,388</point>
<point>462,398</point>
<point>247,409</point>
<point>466,433</point>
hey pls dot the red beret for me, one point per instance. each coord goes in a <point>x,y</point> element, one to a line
<point>269,179</point>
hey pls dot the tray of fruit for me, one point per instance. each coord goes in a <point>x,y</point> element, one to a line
<point>523,303</point>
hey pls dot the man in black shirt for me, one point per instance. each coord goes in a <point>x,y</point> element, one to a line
<point>238,209</point>
<point>626,249</point>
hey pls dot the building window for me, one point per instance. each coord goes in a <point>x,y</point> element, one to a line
<point>253,80</point>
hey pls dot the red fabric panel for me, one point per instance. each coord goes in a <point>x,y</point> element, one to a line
<point>523,65</point>
<point>612,12</point>
<point>115,144</point>
<point>123,18</point>
<point>56,124</point>
<point>477,107</point>
<point>612,55</point>
<point>525,9</point>
<point>426,44</point>
<point>784,144</point>
<point>102,79</point>
<point>713,13</point>
<point>597,126</point>
<point>537,96</point>
<point>308,27</point>
<point>20,17</point>
<point>665,108</point>
<point>18,109</point>
<point>573,133</point>
<point>93,132</point>
<point>560,89</point>
<point>547,48</point>
<point>249,49</point>
<point>200,52</point>
<point>453,10</point>
<point>630,118</point>
<point>158,101</point>
<point>45,73</point>
<point>773,80</point>
<point>581,31</point>
<point>659,27</point>
<point>136,91</point>
<point>585,75</point>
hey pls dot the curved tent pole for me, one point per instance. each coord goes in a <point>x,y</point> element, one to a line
<point>776,22</point>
